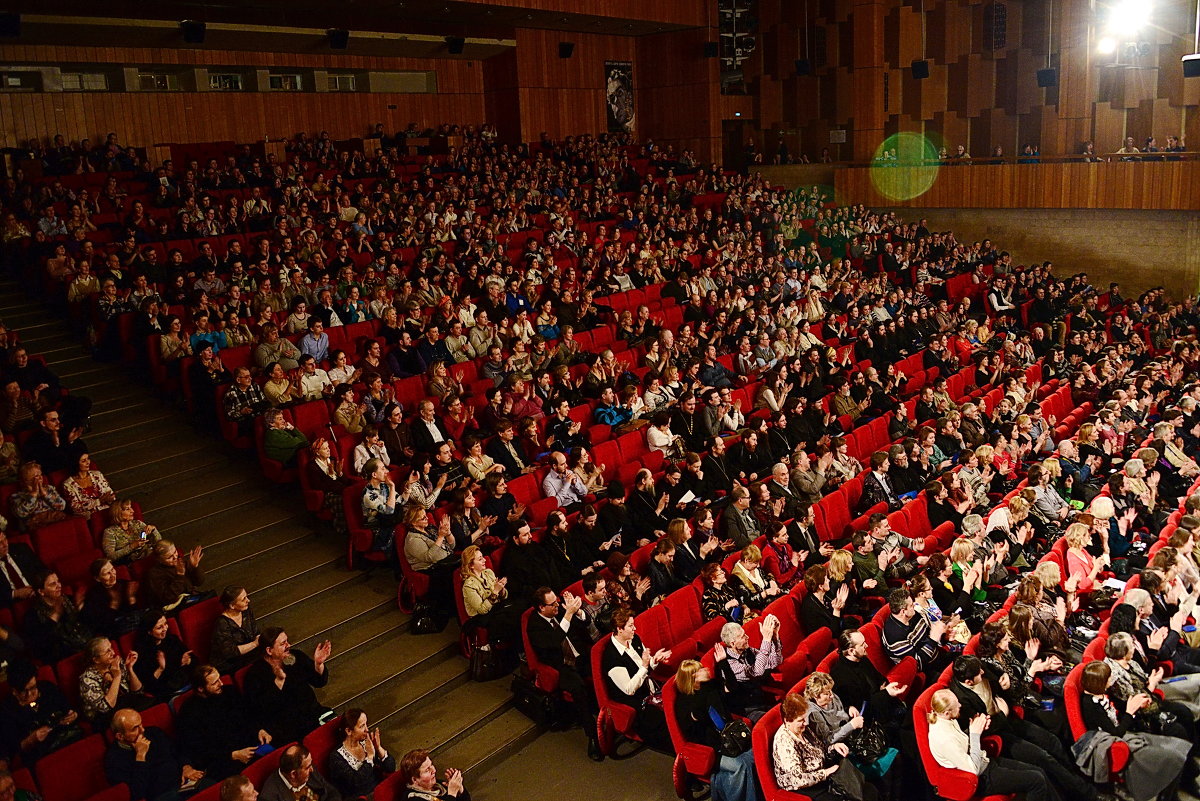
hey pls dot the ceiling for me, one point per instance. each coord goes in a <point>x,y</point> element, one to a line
<point>429,17</point>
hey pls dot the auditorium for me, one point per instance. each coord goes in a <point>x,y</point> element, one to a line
<point>755,400</point>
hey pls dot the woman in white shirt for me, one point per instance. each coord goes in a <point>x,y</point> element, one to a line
<point>954,748</point>
<point>627,665</point>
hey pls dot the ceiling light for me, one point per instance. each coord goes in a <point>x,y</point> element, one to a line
<point>1107,45</point>
<point>1129,16</point>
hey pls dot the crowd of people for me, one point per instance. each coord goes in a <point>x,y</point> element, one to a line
<point>585,377</point>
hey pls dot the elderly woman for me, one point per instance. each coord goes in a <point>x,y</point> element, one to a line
<point>379,506</point>
<point>127,539</point>
<point>163,662</point>
<point>698,698</point>
<point>1130,679</point>
<point>110,606</point>
<point>720,599</point>
<point>279,388</point>
<point>758,588</point>
<point>37,503</point>
<point>282,440</point>
<point>829,721</point>
<point>235,637</point>
<point>1014,670</point>
<point>108,683</point>
<point>87,490</point>
<point>431,553</point>
<point>802,763</point>
<point>361,762</point>
<point>420,778</point>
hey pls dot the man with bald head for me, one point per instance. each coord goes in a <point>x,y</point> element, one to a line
<point>145,759</point>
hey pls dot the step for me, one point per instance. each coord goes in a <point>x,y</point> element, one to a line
<point>132,396</point>
<point>445,714</point>
<point>357,631</point>
<point>317,614</point>
<point>112,439</point>
<point>276,594</point>
<point>151,475</point>
<point>392,671</point>
<point>489,745</point>
<point>265,542</point>
<point>205,506</point>
<point>297,559</point>
<point>232,523</point>
<point>158,451</point>
<point>189,483</point>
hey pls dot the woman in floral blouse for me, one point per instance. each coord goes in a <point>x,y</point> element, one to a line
<point>128,539</point>
<point>87,490</point>
<point>801,762</point>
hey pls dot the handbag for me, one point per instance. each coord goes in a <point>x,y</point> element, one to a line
<point>485,664</point>
<point>426,620</point>
<point>733,738</point>
<point>868,743</point>
<point>530,700</point>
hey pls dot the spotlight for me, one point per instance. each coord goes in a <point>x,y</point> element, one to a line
<point>1107,46</point>
<point>454,45</point>
<point>1130,16</point>
<point>339,38</point>
<point>193,31</point>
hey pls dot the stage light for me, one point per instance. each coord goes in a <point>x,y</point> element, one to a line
<point>1107,46</point>
<point>1129,16</point>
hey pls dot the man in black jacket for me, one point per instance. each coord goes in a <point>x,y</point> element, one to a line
<point>527,565</point>
<point>558,635</point>
<point>144,759</point>
<point>215,733</point>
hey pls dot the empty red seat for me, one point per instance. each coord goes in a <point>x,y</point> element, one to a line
<point>73,773</point>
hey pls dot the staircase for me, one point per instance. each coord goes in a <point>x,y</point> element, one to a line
<point>199,491</point>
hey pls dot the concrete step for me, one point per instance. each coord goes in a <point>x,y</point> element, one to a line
<point>317,615</point>
<point>305,554</point>
<point>362,625</point>
<point>112,438</point>
<point>446,714</point>
<point>224,494</point>
<point>392,671</point>
<point>487,745</point>
<point>157,452</point>
<point>240,551</point>
<point>279,594</point>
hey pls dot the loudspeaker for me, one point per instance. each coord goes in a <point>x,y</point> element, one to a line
<point>454,44</point>
<point>193,31</point>
<point>10,24</point>
<point>920,69</point>
<point>1191,66</point>
<point>1047,78</point>
<point>711,50</point>
<point>565,49</point>
<point>803,67</point>
<point>339,38</point>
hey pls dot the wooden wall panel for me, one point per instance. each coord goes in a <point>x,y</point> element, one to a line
<point>1109,185</point>
<point>147,118</point>
<point>680,12</point>
<point>565,96</point>
<point>970,85</point>
<point>671,74</point>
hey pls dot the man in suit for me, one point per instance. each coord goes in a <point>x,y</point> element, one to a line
<point>1021,740</point>
<point>296,778</point>
<point>739,523</point>
<point>808,479</point>
<point>558,634</point>
<point>428,430</point>
<point>18,567</point>
<point>780,486</point>
<point>803,536</point>
<point>504,452</point>
<point>877,488</point>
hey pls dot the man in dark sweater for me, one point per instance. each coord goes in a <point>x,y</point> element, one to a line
<point>145,760</point>
<point>215,731</point>
<point>279,687</point>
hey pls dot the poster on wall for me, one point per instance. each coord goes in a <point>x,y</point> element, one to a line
<point>618,96</point>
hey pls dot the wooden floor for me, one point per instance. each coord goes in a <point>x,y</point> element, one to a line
<point>198,490</point>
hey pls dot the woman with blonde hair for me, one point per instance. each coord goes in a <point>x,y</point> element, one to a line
<point>697,698</point>
<point>1082,567</point>
<point>485,598</point>
<point>758,588</point>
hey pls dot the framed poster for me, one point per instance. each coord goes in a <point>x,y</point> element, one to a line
<point>618,96</point>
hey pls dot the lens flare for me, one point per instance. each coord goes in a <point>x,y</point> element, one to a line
<point>905,166</point>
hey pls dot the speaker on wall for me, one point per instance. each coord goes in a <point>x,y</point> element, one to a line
<point>339,38</point>
<point>565,49</point>
<point>454,45</point>
<point>1047,78</point>
<point>920,69</point>
<point>193,31</point>
<point>711,50</point>
<point>1191,66</point>
<point>803,67</point>
<point>10,24</point>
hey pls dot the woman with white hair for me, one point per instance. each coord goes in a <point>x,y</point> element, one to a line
<point>1129,678</point>
<point>742,666</point>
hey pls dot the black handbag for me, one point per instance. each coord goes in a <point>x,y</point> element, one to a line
<point>485,664</point>
<point>849,783</point>
<point>868,743</point>
<point>532,701</point>
<point>427,620</point>
<point>733,737</point>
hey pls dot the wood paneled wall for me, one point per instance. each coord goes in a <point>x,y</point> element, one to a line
<point>680,12</point>
<point>678,94</point>
<point>146,118</point>
<point>975,95</point>
<point>1115,185</point>
<point>564,96</point>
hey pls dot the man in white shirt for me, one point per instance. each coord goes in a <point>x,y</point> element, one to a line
<point>563,484</point>
<point>315,383</point>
